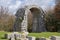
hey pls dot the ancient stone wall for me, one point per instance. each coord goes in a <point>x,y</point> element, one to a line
<point>38,23</point>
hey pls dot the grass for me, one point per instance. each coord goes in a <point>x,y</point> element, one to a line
<point>2,35</point>
<point>42,34</point>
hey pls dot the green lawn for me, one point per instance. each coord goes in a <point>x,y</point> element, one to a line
<point>42,34</point>
<point>45,34</point>
<point>2,35</point>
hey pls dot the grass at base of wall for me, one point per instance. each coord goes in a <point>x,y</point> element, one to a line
<point>2,35</point>
<point>42,34</point>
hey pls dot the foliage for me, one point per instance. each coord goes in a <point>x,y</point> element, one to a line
<point>50,21</point>
<point>6,19</point>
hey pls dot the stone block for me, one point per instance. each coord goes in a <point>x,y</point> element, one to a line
<point>55,38</point>
<point>31,38</point>
<point>18,36</point>
<point>40,38</point>
<point>9,36</point>
<point>12,37</point>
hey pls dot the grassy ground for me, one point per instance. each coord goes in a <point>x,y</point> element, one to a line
<point>2,35</point>
<point>45,34</point>
<point>42,34</point>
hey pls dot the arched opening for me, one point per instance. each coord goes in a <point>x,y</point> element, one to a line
<point>33,19</point>
<point>35,11</point>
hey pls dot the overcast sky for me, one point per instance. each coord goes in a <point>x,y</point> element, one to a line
<point>13,5</point>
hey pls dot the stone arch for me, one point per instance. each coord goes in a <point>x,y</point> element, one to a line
<point>38,24</point>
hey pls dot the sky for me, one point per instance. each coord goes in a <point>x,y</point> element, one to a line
<point>13,5</point>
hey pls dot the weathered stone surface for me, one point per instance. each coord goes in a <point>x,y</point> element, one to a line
<point>13,36</point>
<point>38,24</point>
<point>31,38</point>
<point>38,19</point>
<point>17,36</point>
<point>23,36</point>
<point>8,36</point>
<point>40,38</point>
<point>55,38</point>
<point>19,18</point>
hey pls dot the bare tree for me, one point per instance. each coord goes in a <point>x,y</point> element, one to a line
<point>6,20</point>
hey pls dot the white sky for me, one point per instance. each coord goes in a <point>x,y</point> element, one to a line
<point>13,5</point>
